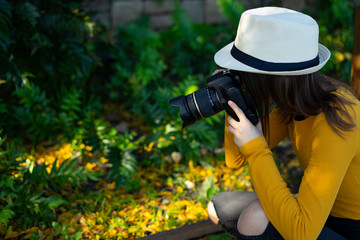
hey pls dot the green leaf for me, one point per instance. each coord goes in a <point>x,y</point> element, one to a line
<point>5,22</point>
<point>207,188</point>
<point>78,235</point>
<point>55,201</point>
<point>231,9</point>
<point>2,139</point>
<point>5,215</point>
<point>27,12</point>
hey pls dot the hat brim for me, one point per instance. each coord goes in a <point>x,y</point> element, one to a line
<point>224,59</point>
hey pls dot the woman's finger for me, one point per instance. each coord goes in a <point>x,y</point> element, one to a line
<point>237,110</point>
<point>232,130</point>
<point>232,122</point>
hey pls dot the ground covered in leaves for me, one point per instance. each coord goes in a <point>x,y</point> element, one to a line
<point>154,200</point>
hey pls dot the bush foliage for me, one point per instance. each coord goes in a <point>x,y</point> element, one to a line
<point>82,108</point>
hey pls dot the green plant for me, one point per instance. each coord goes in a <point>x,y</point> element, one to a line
<point>138,70</point>
<point>32,191</point>
<point>188,47</point>
<point>36,27</point>
<point>62,230</point>
<point>44,56</point>
<point>336,21</point>
<point>33,113</point>
<point>231,9</point>
<point>117,148</point>
<point>150,86</point>
<point>5,215</point>
<point>124,164</point>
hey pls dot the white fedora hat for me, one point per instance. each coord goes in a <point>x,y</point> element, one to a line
<point>277,41</point>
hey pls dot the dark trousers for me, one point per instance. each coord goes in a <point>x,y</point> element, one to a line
<point>228,206</point>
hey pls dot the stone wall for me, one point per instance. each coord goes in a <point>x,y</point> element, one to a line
<point>114,12</point>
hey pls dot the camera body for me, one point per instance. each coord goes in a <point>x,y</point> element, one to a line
<point>208,101</point>
<point>228,87</point>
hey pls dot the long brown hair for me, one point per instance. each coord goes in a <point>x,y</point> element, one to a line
<point>303,95</point>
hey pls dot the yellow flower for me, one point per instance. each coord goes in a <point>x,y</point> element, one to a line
<point>88,148</point>
<point>339,56</point>
<point>179,189</point>
<point>90,166</point>
<point>103,160</point>
<point>149,147</point>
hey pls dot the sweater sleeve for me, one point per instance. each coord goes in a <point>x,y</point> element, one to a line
<point>302,217</point>
<point>233,156</point>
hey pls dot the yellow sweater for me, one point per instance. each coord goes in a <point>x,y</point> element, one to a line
<point>331,181</point>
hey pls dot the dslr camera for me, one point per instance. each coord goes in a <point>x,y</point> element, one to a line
<point>210,100</point>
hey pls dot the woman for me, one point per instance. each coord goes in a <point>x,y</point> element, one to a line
<point>277,54</point>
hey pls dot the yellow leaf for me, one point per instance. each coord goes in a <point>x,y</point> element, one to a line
<point>191,165</point>
<point>88,148</point>
<point>11,234</point>
<point>110,233</point>
<point>110,186</point>
<point>179,189</point>
<point>90,166</point>
<point>149,147</point>
<point>103,160</point>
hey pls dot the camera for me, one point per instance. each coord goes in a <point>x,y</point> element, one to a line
<point>208,101</point>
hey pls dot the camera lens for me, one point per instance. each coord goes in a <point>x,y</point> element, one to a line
<point>197,105</point>
<point>207,102</point>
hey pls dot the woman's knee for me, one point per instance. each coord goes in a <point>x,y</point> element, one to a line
<point>252,220</point>
<point>212,213</point>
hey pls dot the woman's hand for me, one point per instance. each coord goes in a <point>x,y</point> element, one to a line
<point>243,131</point>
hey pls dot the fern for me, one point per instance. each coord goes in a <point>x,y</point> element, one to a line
<point>68,172</point>
<point>8,163</point>
<point>5,215</point>
<point>146,66</point>
<point>8,70</point>
<point>59,23</point>
<point>34,113</point>
<point>28,12</point>
<point>124,165</point>
<point>31,206</point>
<point>52,32</point>
<point>94,132</point>
<point>5,23</point>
